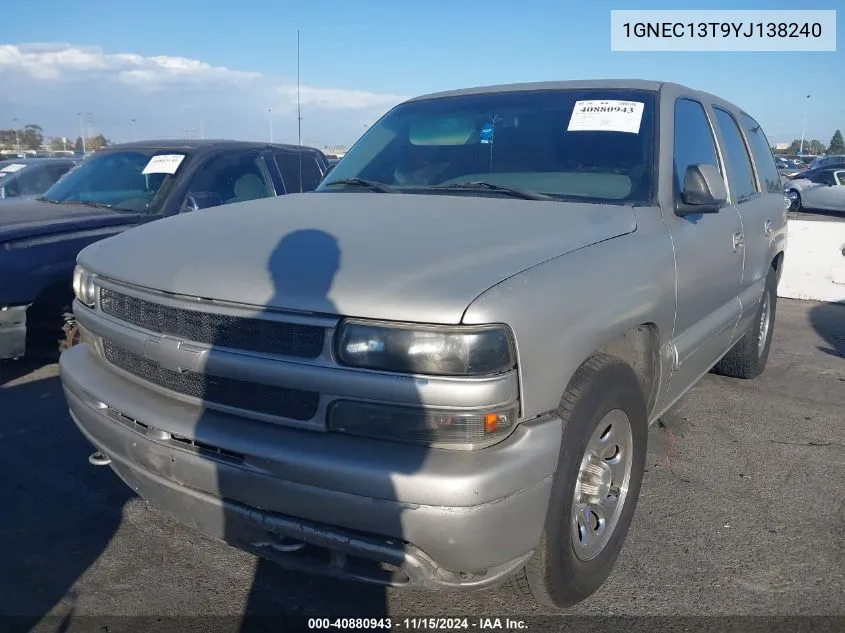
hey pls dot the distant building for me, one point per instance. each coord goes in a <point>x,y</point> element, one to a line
<point>335,150</point>
<point>782,146</point>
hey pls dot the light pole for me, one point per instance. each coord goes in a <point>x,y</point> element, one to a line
<point>134,129</point>
<point>804,126</point>
<point>83,116</point>
<point>17,136</point>
<point>270,121</point>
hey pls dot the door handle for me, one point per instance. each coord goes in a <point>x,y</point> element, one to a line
<point>769,229</point>
<point>739,240</point>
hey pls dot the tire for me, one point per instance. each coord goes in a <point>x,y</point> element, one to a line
<point>748,357</point>
<point>794,201</point>
<point>562,572</point>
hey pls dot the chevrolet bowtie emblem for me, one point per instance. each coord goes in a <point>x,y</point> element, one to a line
<point>171,354</point>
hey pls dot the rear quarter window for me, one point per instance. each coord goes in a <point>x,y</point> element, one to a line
<point>762,152</point>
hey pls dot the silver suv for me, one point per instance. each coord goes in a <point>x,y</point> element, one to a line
<point>438,370</point>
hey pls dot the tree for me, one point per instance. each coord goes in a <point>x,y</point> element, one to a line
<point>837,144</point>
<point>78,148</point>
<point>814,147</point>
<point>32,136</point>
<point>58,144</point>
<point>96,142</point>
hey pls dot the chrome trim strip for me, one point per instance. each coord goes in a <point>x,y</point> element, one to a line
<point>215,306</point>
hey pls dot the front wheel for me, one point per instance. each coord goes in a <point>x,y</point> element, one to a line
<point>596,485</point>
<point>794,201</point>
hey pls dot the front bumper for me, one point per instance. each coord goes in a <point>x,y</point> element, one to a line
<point>12,331</point>
<point>323,502</point>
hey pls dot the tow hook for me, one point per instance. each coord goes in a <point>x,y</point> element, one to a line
<point>98,459</point>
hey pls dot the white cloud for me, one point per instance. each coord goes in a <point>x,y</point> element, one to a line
<point>41,77</point>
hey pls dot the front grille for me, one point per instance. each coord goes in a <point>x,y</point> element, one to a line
<point>219,330</point>
<point>278,401</point>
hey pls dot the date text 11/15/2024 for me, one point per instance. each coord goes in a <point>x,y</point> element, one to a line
<point>431,624</point>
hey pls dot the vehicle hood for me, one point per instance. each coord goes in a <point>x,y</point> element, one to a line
<point>403,257</point>
<point>29,217</point>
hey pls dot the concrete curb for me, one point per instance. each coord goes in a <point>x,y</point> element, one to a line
<point>814,263</point>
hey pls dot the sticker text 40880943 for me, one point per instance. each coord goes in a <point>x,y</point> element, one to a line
<point>606,116</point>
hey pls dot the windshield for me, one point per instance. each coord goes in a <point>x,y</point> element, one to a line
<point>586,145</point>
<point>124,180</point>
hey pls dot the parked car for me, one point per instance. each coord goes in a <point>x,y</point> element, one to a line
<point>114,189</point>
<point>827,161</point>
<point>30,177</point>
<point>817,189</point>
<point>439,369</point>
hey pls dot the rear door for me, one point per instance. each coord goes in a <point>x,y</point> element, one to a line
<point>758,198</point>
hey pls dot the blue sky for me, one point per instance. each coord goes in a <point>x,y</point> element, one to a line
<point>358,59</point>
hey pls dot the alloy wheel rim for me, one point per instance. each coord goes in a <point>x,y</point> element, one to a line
<point>601,487</point>
<point>765,323</point>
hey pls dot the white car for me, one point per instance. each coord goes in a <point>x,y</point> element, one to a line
<point>818,189</point>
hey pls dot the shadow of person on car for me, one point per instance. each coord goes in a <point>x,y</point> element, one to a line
<point>302,499</point>
<point>828,320</point>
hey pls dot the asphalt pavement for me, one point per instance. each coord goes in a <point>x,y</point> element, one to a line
<point>742,512</point>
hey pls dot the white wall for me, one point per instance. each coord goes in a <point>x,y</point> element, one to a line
<point>814,265</point>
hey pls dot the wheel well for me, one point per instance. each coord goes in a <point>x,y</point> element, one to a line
<point>639,347</point>
<point>777,264</point>
<point>57,295</point>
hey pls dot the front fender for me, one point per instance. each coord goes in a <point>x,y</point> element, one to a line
<point>564,310</point>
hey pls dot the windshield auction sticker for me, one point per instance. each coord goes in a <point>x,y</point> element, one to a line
<point>10,169</point>
<point>164,164</point>
<point>606,116</point>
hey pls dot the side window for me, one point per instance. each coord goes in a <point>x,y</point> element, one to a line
<point>311,173</point>
<point>762,151</point>
<point>822,178</point>
<point>12,189</point>
<point>694,143</point>
<point>33,181</point>
<point>740,171</point>
<point>840,177</point>
<point>231,178</point>
<point>57,171</point>
<point>288,163</point>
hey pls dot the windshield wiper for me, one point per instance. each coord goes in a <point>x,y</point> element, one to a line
<point>525,194</point>
<point>88,203</point>
<point>360,182</point>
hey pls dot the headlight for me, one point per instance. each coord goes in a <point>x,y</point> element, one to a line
<point>436,351</point>
<point>84,287</point>
<point>449,429</point>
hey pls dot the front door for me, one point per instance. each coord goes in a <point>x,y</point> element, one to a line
<point>827,192</point>
<point>708,260</point>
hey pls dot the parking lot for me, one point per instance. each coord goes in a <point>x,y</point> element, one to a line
<point>742,512</point>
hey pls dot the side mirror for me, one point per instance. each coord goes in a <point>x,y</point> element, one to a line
<point>200,200</point>
<point>703,190</point>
